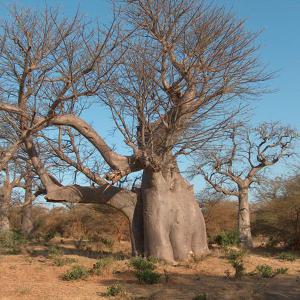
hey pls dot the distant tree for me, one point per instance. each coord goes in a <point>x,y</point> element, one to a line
<point>233,166</point>
<point>277,211</point>
<point>17,173</point>
<point>11,177</point>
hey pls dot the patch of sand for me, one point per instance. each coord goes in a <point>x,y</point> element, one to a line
<point>35,277</point>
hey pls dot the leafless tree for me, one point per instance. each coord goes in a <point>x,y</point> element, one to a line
<point>172,80</point>
<point>235,165</point>
<point>12,176</point>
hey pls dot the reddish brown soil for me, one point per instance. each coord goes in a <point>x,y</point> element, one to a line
<point>32,275</point>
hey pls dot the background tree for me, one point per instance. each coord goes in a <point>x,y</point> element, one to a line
<point>277,211</point>
<point>181,79</point>
<point>234,165</point>
<point>11,177</point>
<point>219,213</point>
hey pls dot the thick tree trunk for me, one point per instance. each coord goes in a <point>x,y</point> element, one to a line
<point>244,225</point>
<point>5,194</point>
<point>173,224</point>
<point>165,220</point>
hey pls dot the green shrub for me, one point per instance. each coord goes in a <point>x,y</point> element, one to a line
<point>107,242</point>
<point>147,276</point>
<point>102,265</point>
<point>287,256</point>
<point>11,241</point>
<point>236,259</point>
<point>49,236</point>
<point>281,271</point>
<point>144,270</point>
<point>266,271</point>
<point>200,297</point>
<point>77,272</point>
<point>139,263</point>
<point>114,290</point>
<point>54,251</point>
<point>227,238</point>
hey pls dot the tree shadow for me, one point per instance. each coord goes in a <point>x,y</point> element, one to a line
<point>67,250</point>
<point>187,286</point>
<point>271,251</point>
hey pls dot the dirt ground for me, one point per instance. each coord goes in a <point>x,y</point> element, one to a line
<point>32,275</point>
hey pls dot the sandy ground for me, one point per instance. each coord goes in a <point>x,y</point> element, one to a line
<point>33,276</point>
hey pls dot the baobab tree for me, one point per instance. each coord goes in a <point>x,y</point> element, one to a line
<point>235,165</point>
<point>172,79</point>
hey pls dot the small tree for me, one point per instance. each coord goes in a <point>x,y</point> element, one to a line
<point>233,166</point>
<point>277,211</point>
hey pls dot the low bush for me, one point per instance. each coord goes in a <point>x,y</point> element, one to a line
<point>200,297</point>
<point>227,238</point>
<point>236,259</point>
<point>114,290</point>
<point>287,256</point>
<point>281,271</point>
<point>77,272</point>
<point>266,271</point>
<point>144,270</point>
<point>11,242</point>
<point>63,261</point>
<point>54,251</point>
<point>102,265</point>
<point>49,236</point>
<point>147,276</point>
<point>140,263</point>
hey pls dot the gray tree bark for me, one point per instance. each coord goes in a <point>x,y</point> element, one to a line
<point>244,224</point>
<point>174,226</point>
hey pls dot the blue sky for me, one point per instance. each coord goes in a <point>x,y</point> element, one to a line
<point>280,44</point>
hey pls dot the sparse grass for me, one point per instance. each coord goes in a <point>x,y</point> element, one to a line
<point>23,291</point>
<point>200,297</point>
<point>266,271</point>
<point>281,271</point>
<point>115,290</point>
<point>196,285</point>
<point>107,242</point>
<point>287,256</point>
<point>11,242</point>
<point>56,255</point>
<point>54,252</point>
<point>63,261</point>
<point>77,272</point>
<point>102,265</point>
